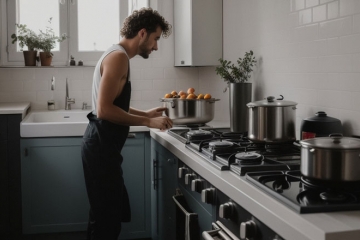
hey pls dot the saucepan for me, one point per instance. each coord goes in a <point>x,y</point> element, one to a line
<point>189,111</point>
<point>334,158</point>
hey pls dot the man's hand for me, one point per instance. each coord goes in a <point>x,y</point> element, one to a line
<point>161,123</point>
<point>155,112</point>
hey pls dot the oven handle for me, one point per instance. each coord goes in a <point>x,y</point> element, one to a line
<point>221,230</point>
<point>154,173</point>
<point>188,216</point>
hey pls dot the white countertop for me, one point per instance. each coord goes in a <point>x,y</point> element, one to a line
<point>283,220</point>
<point>14,108</point>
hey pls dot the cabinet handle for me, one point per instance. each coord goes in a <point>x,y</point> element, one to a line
<point>26,152</point>
<point>154,173</point>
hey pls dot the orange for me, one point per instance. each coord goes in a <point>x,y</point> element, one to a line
<point>168,95</point>
<point>183,96</point>
<point>174,93</point>
<point>190,90</point>
<point>191,96</point>
<point>200,96</point>
<point>182,93</point>
<point>207,96</point>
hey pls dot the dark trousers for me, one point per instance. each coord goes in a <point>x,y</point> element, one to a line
<point>109,203</point>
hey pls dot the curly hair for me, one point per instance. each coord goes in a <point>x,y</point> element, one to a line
<point>144,18</point>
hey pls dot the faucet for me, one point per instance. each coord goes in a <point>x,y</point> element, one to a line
<point>68,101</point>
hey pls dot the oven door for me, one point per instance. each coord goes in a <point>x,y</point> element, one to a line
<point>220,232</point>
<point>187,226</point>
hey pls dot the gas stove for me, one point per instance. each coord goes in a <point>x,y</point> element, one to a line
<point>274,168</point>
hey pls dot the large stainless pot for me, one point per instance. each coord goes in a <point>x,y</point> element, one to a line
<point>189,111</point>
<point>334,158</point>
<point>272,120</point>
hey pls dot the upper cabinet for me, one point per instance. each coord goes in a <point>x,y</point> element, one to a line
<point>198,32</point>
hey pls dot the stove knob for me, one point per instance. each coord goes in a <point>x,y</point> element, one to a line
<point>197,185</point>
<point>226,210</point>
<point>208,195</point>
<point>189,177</point>
<point>247,229</point>
<point>182,171</point>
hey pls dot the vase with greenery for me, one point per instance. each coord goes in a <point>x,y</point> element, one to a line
<point>27,37</point>
<point>47,42</point>
<point>240,92</point>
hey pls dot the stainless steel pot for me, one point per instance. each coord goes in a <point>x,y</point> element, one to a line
<point>334,158</point>
<point>272,120</point>
<point>189,111</point>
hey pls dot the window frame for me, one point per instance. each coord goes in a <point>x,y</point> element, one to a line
<point>68,24</point>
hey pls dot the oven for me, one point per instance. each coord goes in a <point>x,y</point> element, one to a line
<point>218,216</point>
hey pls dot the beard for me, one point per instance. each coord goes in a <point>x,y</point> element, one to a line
<point>144,50</point>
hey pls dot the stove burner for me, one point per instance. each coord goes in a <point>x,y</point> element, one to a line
<point>280,185</point>
<point>220,144</point>
<point>333,196</point>
<point>198,135</point>
<point>248,158</point>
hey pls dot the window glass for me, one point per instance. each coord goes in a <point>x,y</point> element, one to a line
<point>36,19</point>
<point>137,4</point>
<point>98,24</point>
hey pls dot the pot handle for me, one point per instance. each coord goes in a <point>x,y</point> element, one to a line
<point>172,103</point>
<point>312,150</point>
<point>336,137</point>
<point>213,100</point>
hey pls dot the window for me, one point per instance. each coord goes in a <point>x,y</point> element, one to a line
<point>91,25</point>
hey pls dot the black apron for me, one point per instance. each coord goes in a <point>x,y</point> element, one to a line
<point>102,159</point>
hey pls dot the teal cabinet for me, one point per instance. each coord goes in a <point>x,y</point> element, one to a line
<point>54,196</point>
<point>164,184</point>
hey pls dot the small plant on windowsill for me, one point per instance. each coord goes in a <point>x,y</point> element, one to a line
<point>27,37</point>
<point>231,73</point>
<point>47,42</point>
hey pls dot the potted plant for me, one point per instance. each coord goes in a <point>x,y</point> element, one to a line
<point>236,77</point>
<point>47,42</point>
<point>27,37</point>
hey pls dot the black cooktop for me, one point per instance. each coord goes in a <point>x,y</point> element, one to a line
<point>307,196</point>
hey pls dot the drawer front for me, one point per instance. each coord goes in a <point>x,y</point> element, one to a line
<point>3,127</point>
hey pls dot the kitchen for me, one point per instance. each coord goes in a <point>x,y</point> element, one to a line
<point>307,50</point>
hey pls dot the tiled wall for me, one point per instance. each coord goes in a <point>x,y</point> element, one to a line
<point>308,51</point>
<point>151,79</point>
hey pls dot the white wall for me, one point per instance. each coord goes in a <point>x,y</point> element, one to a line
<point>151,79</point>
<point>309,51</point>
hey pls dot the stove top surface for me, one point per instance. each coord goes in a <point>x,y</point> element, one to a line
<point>306,196</point>
<point>275,168</point>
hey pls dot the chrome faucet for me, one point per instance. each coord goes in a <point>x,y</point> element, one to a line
<point>68,101</point>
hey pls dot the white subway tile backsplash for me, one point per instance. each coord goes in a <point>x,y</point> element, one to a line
<point>5,74</point>
<point>305,16</point>
<point>307,33</point>
<point>348,7</point>
<point>334,99</point>
<point>299,4</point>
<point>350,44</point>
<point>152,95</point>
<point>11,86</point>
<point>311,3</point>
<point>36,85</point>
<point>135,95</point>
<point>70,73</point>
<point>335,28</point>
<point>166,85</point>
<point>325,1</point>
<point>22,74</point>
<point>334,64</point>
<point>319,13</point>
<point>139,85</point>
<point>153,73</point>
<point>333,10</point>
<point>356,63</point>
<point>46,73</point>
<point>356,21</point>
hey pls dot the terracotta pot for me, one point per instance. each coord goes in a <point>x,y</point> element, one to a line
<point>45,58</point>
<point>30,58</point>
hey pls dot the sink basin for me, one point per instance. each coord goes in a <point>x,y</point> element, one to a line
<point>58,123</point>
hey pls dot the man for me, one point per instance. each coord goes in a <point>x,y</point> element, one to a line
<point>110,120</point>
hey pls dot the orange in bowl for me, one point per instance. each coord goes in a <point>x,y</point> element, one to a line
<point>183,96</point>
<point>174,93</point>
<point>207,96</point>
<point>191,96</point>
<point>168,95</point>
<point>181,92</point>
<point>200,96</point>
<point>190,90</point>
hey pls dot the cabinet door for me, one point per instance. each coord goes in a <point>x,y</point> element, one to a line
<point>136,172</point>
<point>53,187</point>
<point>164,188</point>
<point>4,196</point>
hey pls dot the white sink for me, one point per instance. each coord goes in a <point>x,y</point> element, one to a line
<point>58,123</point>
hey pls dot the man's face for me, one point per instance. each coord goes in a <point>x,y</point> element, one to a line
<point>149,43</point>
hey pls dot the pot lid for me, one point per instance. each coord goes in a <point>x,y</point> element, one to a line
<point>321,116</point>
<point>272,102</point>
<point>334,141</point>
